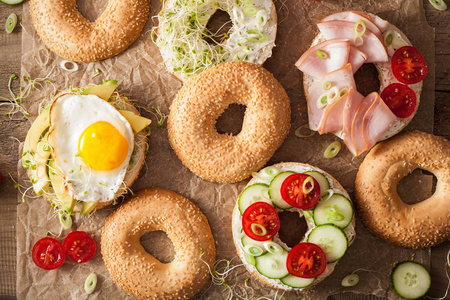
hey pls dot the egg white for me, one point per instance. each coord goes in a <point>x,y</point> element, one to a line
<point>70,115</point>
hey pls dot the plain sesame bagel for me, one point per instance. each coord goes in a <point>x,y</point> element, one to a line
<point>138,273</point>
<point>419,225</point>
<point>66,32</point>
<point>193,114</point>
<point>262,188</point>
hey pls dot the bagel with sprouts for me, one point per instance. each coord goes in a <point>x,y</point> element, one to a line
<point>83,152</point>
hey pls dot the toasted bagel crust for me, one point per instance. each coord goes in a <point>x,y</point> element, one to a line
<point>193,114</point>
<point>138,273</point>
<point>420,225</point>
<point>66,32</point>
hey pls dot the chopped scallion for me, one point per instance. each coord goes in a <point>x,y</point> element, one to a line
<point>11,23</point>
<point>332,150</point>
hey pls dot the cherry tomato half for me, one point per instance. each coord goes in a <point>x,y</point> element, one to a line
<point>408,65</point>
<point>306,260</point>
<point>79,246</point>
<point>400,99</point>
<point>260,221</point>
<point>48,254</point>
<point>292,191</point>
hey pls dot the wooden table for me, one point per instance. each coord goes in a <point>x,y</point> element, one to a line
<point>10,55</point>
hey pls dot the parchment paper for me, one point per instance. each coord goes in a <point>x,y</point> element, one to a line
<point>142,76</point>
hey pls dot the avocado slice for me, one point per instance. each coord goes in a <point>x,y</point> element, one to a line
<point>104,90</point>
<point>137,122</point>
<point>39,126</point>
<point>62,194</point>
<point>88,207</point>
<point>38,167</point>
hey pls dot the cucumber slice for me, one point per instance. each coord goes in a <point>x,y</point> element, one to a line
<point>331,239</point>
<point>322,180</point>
<point>336,210</point>
<point>410,280</point>
<point>275,190</point>
<point>251,194</point>
<point>248,241</point>
<point>272,265</point>
<point>297,282</point>
<point>11,2</point>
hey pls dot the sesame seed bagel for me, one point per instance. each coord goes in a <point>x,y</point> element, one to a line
<point>193,114</point>
<point>65,31</point>
<point>239,235</point>
<point>385,77</point>
<point>419,225</point>
<point>138,273</point>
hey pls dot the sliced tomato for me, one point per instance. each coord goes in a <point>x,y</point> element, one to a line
<point>408,65</point>
<point>306,260</point>
<point>48,254</point>
<point>292,191</point>
<point>260,221</point>
<point>400,99</point>
<point>79,246</point>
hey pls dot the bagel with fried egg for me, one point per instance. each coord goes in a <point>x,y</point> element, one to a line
<point>83,152</point>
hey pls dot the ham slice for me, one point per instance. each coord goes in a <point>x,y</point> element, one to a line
<point>353,16</point>
<point>354,99</point>
<point>338,52</point>
<point>357,58</point>
<point>341,78</point>
<point>382,24</point>
<point>358,121</point>
<point>372,46</point>
<point>377,121</point>
<point>333,116</point>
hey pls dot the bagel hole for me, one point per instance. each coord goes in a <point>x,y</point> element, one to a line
<point>417,186</point>
<point>91,10</point>
<point>366,79</point>
<point>292,227</point>
<point>218,27</point>
<point>157,244</point>
<point>231,120</point>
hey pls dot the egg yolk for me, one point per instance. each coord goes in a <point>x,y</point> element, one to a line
<point>102,146</point>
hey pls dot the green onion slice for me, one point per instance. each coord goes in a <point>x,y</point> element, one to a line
<point>338,217</point>
<point>298,131</point>
<point>203,17</point>
<point>258,39</point>
<point>65,220</point>
<point>327,85</point>
<point>333,95</point>
<point>69,66</point>
<point>11,23</point>
<point>322,54</point>
<point>389,38</point>
<point>272,247</point>
<point>250,11</point>
<point>90,283</point>
<point>438,4</point>
<point>358,41</point>
<point>258,229</point>
<point>332,150</point>
<point>271,171</point>
<point>330,210</point>
<point>343,91</point>
<point>360,28</point>
<point>350,280</point>
<point>308,185</point>
<point>261,18</point>
<point>238,15</point>
<point>253,250</point>
<point>322,101</point>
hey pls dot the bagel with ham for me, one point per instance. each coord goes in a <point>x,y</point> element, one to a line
<point>345,42</point>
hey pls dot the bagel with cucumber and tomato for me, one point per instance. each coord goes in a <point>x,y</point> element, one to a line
<point>318,198</point>
<point>85,148</point>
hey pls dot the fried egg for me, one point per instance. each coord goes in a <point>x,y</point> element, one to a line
<point>91,143</point>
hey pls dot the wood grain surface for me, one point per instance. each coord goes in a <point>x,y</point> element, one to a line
<point>10,55</point>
